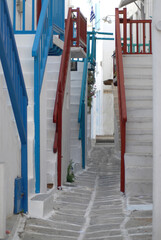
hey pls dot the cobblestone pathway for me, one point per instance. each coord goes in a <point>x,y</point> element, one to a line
<point>93,208</point>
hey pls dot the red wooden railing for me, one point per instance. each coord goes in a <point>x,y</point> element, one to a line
<point>121,95</point>
<point>137,35</point>
<point>81,28</point>
<point>79,23</point>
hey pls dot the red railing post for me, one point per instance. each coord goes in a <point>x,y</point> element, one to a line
<point>59,163</point>
<point>38,10</point>
<point>125,30</point>
<point>144,38</point>
<point>131,36</point>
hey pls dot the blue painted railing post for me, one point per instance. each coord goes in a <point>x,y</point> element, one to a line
<point>37,122</point>
<point>83,137</point>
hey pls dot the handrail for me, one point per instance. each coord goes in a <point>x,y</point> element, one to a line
<point>121,94</point>
<point>42,43</point>
<point>139,35</point>
<point>16,88</point>
<point>57,115</point>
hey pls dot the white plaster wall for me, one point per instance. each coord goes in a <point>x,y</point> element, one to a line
<point>66,128</point>
<point>10,148</point>
<point>108,113</point>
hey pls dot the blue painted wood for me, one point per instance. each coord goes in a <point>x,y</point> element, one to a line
<point>17,91</point>
<point>40,50</point>
<point>83,137</point>
<point>58,17</point>
<point>18,195</point>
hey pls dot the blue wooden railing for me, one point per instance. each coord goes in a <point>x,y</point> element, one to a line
<point>81,114</point>
<point>16,88</point>
<point>42,43</point>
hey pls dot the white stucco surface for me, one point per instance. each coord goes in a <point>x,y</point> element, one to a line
<point>10,148</point>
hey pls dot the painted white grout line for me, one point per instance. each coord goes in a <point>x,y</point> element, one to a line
<point>88,211</point>
<point>20,228</point>
<point>123,229</point>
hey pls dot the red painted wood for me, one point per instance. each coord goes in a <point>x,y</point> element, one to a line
<point>131,35</point>
<point>137,37</point>
<point>125,30</point>
<point>144,38</point>
<point>121,95</point>
<point>150,32</point>
<point>38,9</point>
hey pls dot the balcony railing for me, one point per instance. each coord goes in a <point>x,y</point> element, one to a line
<point>136,35</point>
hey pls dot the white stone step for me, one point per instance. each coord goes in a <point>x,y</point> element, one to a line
<point>26,40</point>
<point>52,67</point>
<point>27,65</point>
<point>53,76</point>
<point>74,108</point>
<point>139,146</point>
<point>51,103</point>
<point>139,123</point>
<point>74,133</point>
<point>139,103</point>
<point>138,159</point>
<point>52,84</point>
<point>75,90</point>
<point>138,188</point>
<point>139,59</point>
<point>76,83</point>
<point>138,69</point>
<point>75,142</point>
<point>137,92</point>
<point>132,112</point>
<point>29,79</point>
<point>54,59</point>
<point>138,173</point>
<point>74,99</point>
<point>25,52</point>
<point>74,124</point>
<point>138,80</point>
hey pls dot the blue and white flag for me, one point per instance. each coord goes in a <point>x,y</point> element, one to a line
<point>92,16</point>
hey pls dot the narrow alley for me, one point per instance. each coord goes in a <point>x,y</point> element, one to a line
<point>92,207</point>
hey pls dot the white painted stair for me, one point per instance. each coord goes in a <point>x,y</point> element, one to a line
<point>51,79</point>
<point>138,156</point>
<point>76,149</point>
<point>24,45</point>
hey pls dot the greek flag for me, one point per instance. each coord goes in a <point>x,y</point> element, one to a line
<point>92,16</point>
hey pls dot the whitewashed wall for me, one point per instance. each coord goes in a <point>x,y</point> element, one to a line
<point>10,148</point>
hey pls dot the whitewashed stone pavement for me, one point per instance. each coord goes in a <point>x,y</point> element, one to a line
<point>93,208</point>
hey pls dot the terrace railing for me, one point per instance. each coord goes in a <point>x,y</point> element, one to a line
<point>74,20</point>
<point>136,35</point>
<point>17,91</point>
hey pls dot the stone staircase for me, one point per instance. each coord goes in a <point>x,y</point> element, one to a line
<point>138,153</point>
<point>76,149</point>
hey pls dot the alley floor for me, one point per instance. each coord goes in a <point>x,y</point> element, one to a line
<point>93,208</point>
